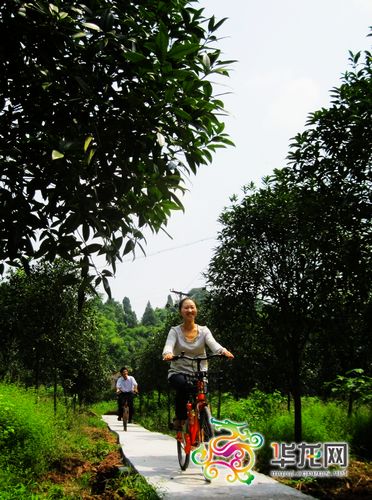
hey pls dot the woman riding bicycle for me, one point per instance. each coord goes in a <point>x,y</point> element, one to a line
<point>191,339</point>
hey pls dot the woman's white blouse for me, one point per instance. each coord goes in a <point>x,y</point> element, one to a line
<point>177,343</point>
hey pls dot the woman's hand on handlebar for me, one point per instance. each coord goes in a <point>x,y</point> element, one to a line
<point>228,354</point>
<point>171,357</point>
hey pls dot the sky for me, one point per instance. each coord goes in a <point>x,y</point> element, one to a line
<point>290,54</point>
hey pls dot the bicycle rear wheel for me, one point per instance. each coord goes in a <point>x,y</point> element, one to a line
<point>183,456</point>
<point>206,429</point>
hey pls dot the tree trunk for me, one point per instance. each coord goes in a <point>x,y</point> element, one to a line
<point>55,392</point>
<point>350,405</point>
<point>297,413</point>
<point>296,394</point>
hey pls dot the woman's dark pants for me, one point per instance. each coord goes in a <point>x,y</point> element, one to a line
<point>180,383</point>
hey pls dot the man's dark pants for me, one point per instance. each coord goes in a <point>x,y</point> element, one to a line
<point>122,398</point>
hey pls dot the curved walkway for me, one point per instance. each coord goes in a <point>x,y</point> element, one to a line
<point>154,456</point>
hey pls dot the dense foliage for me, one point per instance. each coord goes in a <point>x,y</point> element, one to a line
<point>105,106</point>
<point>293,266</point>
<point>47,456</point>
<point>45,337</point>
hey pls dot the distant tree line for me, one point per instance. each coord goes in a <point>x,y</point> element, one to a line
<point>46,339</point>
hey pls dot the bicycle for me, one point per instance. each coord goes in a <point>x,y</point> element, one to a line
<point>198,428</point>
<point>125,415</point>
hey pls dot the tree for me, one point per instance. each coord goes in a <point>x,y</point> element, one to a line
<point>105,105</point>
<point>331,165</point>
<point>51,340</point>
<point>130,317</point>
<point>170,303</point>
<point>198,294</point>
<point>353,385</point>
<point>149,317</point>
<point>300,247</point>
<point>263,259</point>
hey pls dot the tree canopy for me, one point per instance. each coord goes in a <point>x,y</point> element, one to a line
<point>295,255</point>
<point>105,107</point>
<point>45,339</point>
<point>149,317</point>
<point>129,315</point>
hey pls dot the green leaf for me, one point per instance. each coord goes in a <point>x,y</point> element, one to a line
<point>129,247</point>
<point>106,286</point>
<point>182,114</point>
<point>162,39</point>
<point>178,51</point>
<point>211,24</point>
<point>133,56</point>
<point>79,34</point>
<point>217,25</point>
<point>86,231</point>
<point>53,8</point>
<point>56,155</point>
<point>91,26</point>
<point>93,248</point>
<point>90,155</point>
<point>88,140</point>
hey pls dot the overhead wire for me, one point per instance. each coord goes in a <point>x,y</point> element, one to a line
<point>169,249</point>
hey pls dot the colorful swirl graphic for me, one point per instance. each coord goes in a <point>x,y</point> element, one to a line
<point>232,451</point>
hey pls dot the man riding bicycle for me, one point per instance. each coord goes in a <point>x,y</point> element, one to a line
<point>126,388</point>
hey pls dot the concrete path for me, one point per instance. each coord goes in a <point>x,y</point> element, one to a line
<point>154,456</point>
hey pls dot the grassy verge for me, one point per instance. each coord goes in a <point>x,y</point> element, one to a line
<point>70,455</point>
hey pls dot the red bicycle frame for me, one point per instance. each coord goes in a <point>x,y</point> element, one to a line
<point>193,437</point>
<point>198,424</point>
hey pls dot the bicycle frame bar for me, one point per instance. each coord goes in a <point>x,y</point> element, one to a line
<point>192,434</point>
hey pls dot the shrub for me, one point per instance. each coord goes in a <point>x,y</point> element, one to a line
<point>28,434</point>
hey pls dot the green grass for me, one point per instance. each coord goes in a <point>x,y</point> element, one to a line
<point>131,486</point>
<point>35,442</point>
<point>28,432</point>
<point>268,415</point>
<point>321,422</point>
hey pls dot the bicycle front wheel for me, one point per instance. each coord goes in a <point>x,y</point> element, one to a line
<point>206,429</point>
<point>183,456</point>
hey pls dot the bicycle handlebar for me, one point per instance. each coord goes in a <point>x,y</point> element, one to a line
<point>197,358</point>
